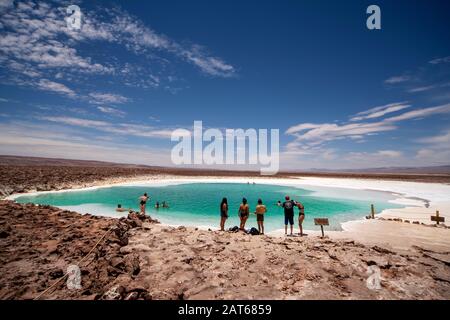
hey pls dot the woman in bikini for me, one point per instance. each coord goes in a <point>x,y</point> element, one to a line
<point>223,213</point>
<point>301,217</point>
<point>244,211</point>
<point>143,201</point>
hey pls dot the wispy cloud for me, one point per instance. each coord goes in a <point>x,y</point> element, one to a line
<point>101,98</point>
<point>420,113</point>
<point>28,139</point>
<point>332,131</point>
<point>442,139</point>
<point>397,79</point>
<point>440,60</point>
<point>309,135</point>
<point>436,149</point>
<point>112,111</point>
<point>47,85</point>
<point>421,89</point>
<point>380,111</point>
<point>35,40</point>
<point>125,129</point>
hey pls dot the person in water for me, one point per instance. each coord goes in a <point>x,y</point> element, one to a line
<point>165,204</point>
<point>260,210</point>
<point>244,211</point>
<point>288,206</point>
<point>279,203</point>
<point>301,216</point>
<point>157,205</point>
<point>223,213</point>
<point>120,209</point>
<point>143,202</point>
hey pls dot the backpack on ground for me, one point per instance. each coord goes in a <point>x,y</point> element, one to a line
<point>254,231</point>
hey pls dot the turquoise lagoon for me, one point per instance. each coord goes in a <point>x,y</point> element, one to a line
<point>197,204</point>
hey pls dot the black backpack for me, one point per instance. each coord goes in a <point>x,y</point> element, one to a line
<point>234,229</point>
<point>254,231</point>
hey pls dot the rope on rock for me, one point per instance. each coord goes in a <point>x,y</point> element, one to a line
<point>79,263</point>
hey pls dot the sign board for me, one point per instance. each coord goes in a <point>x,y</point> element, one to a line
<point>437,219</point>
<point>321,221</point>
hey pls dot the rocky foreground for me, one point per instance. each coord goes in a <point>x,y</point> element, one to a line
<point>141,259</point>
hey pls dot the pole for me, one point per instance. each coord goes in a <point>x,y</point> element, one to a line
<point>321,228</point>
<point>372,209</point>
<point>437,216</point>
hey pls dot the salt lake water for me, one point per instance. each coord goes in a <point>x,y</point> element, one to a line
<point>197,204</point>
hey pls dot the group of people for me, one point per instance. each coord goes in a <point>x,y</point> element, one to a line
<point>244,212</point>
<point>143,204</point>
<point>161,205</point>
<point>260,209</point>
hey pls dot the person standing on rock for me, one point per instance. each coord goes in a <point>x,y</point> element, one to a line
<point>301,217</point>
<point>143,202</point>
<point>288,206</point>
<point>260,210</point>
<point>244,211</point>
<point>223,213</point>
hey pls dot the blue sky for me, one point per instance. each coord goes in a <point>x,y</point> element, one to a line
<point>342,96</point>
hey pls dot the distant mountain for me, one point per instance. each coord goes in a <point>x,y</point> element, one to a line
<point>392,170</point>
<point>39,161</point>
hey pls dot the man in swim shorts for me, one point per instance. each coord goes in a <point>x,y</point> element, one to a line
<point>260,210</point>
<point>288,206</point>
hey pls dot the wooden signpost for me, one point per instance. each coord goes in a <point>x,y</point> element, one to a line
<point>437,218</point>
<point>321,222</point>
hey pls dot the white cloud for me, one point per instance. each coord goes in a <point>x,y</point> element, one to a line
<point>389,153</point>
<point>101,98</point>
<point>332,131</point>
<point>76,121</point>
<point>421,89</point>
<point>125,129</point>
<point>112,111</point>
<point>5,4</point>
<point>443,139</point>
<point>31,140</point>
<point>440,60</point>
<point>419,113</point>
<point>309,137</point>
<point>47,85</point>
<point>379,111</point>
<point>397,79</point>
<point>35,41</point>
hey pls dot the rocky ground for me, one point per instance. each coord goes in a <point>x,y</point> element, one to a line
<point>145,260</point>
<point>38,243</point>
